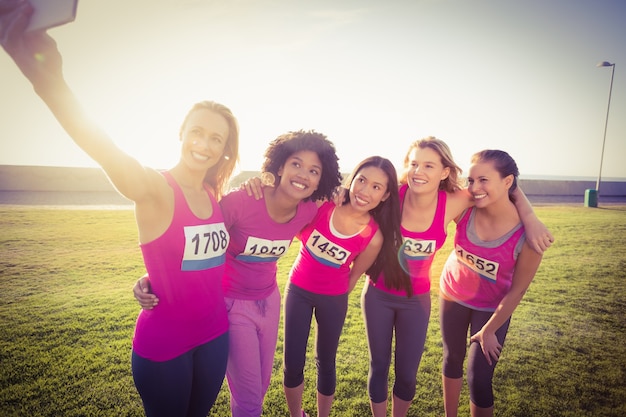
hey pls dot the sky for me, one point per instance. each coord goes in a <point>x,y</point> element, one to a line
<point>373,76</point>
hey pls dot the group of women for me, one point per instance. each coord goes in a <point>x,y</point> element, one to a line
<point>211,302</point>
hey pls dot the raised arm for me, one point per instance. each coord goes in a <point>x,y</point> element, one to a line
<point>37,56</point>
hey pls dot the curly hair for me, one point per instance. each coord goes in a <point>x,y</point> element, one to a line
<point>219,174</point>
<point>285,145</point>
<point>452,182</point>
<point>387,215</point>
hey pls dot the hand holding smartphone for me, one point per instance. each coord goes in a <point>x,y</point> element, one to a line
<point>51,13</point>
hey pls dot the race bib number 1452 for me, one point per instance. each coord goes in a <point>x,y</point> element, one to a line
<point>325,251</point>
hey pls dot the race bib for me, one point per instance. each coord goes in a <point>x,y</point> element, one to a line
<point>325,251</point>
<point>484,267</point>
<point>263,250</point>
<point>205,246</point>
<point>418,250</point>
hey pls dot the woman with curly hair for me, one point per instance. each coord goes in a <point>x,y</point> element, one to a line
<point>300,169</point>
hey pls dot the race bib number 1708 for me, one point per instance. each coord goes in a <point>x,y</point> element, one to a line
<point>205,246</point>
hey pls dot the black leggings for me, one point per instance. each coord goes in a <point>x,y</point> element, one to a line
<point>385,315</point>
<point>330,314</point>
<point>185,386</point>
<point>455,320</point>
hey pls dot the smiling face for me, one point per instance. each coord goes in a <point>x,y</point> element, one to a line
<point>486,184</point>
<point>369,187</point>
<point>203,138</point>
<point>300,175</point>
<point>425,170</point>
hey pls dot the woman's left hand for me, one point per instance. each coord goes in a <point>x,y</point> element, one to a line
<point>489,344</point>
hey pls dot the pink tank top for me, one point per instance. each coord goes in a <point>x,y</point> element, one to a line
<point>323,263</point>
<point>186,266</point>
<point>478,274</point>
<point>419,248</point>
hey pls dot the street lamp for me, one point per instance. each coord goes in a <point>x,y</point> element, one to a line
<point>604,64</point>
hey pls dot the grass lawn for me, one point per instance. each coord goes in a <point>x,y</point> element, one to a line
<point>67,315</point>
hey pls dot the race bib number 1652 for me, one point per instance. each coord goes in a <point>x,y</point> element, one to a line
<point>486,268</point>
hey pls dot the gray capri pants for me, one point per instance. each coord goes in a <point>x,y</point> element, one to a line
<point>385,313</point>
<point>455,320</point>
<point>330,314</point>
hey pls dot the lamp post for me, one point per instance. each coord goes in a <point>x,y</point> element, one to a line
<point>605,64</point>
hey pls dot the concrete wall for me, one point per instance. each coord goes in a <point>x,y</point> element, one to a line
<point>551,187</point>
<point>35,178</point>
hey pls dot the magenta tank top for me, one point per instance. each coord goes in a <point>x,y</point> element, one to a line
<point>323,263</point>
<point>419,248</point>
<point>478,274</point>
<point>186,266</point>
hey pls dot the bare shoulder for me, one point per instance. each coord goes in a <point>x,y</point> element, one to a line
<point>456,203</point>
<point>377,240</point>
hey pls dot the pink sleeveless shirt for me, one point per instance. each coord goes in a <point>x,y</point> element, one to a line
<point>186,266</point>
<point>419,248</point>
<point>323,263</point>
<point>478,274</point>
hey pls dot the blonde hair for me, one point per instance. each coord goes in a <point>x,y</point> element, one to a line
<point>218,176</point>
<point>453,181</point>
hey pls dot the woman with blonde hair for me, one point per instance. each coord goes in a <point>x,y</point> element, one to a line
<point>179,352</point>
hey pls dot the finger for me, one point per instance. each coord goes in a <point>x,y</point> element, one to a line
<point>487,357</point>
<point>13,22</point>
<point>8,5</point>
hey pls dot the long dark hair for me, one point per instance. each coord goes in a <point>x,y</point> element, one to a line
<point>387,215</point>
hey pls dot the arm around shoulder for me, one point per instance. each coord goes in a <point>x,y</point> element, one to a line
<point>537,234</point>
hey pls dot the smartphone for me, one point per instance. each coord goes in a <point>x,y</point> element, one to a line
<point>51,13</point>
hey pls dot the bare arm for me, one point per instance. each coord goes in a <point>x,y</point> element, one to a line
<point>365,259</point>
<point>526,266</point>
<point>142,292</point>
<point>37,57</point>
<point>537,234</point>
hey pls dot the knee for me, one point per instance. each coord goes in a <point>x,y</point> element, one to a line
<point>404,387</point>
<point>453,364</point>
<point>292,379</point>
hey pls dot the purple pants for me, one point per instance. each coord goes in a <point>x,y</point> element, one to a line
<point>253,335</point>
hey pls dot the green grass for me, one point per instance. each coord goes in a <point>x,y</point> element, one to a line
<point>67,315</point>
